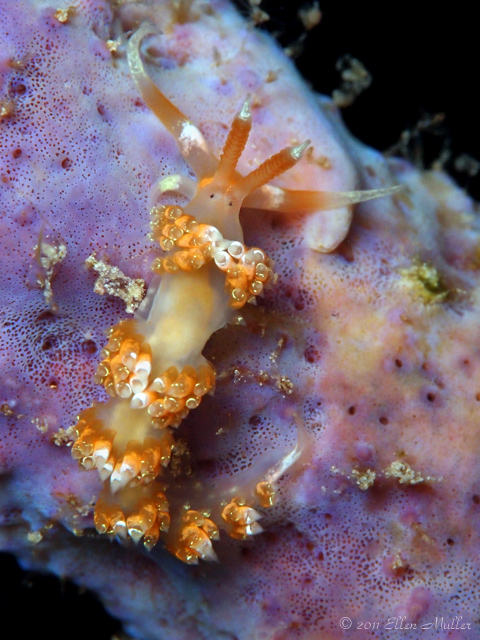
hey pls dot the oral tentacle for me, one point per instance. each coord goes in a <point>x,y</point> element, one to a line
<point>273,198</point>
<point>189,138</point>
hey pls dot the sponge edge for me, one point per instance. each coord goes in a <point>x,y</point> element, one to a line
<point>325,230</point>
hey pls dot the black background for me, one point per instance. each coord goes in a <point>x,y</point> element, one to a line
<point>424,60</point>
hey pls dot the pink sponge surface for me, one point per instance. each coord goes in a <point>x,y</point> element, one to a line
<point>369,352</point>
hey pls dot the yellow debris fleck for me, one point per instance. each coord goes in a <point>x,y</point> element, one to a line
<point>41,424</point>
<point>310,15</point>
<point>60,438</point>
<point>424,282</point>
<point>284,385</point>
<point>355,80</point>
<point>113,46</point>
<point>398,562</point>
<point>50,251</point>
<point>321,160</point>
<point>265,492</point>
<point>257,15</point>
<point>64,15</point>
<point>404,473</point>
<point>272,75</point>
<point>34,537</point>
<point>364,479</point>
<point>112,281</point>
<point>7,108</point>
<point>6,410</point>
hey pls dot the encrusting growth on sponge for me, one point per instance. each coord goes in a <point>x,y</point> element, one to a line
<point>152,366</point>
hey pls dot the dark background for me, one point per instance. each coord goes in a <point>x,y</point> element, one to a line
<point>424,61</point>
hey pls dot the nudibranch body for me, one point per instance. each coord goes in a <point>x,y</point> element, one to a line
<point>153,367</point>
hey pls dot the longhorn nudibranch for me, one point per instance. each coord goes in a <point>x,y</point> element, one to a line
<point>153,367</point>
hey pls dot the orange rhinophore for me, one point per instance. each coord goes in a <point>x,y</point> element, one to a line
<point>152,366</point>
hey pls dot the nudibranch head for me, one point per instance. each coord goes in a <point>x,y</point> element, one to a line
<point>220,196</point>
<point>208,228</point>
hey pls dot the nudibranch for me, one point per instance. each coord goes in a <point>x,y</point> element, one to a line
<point>152,366</point>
